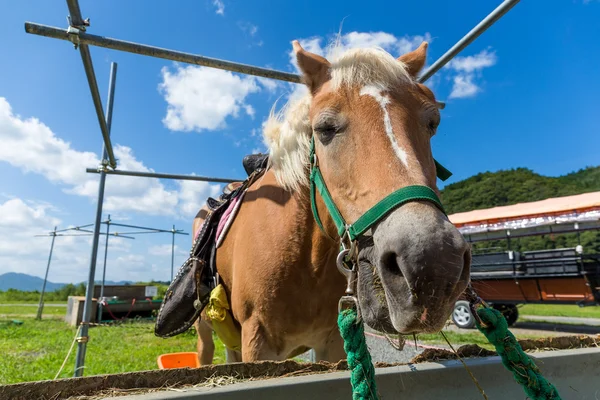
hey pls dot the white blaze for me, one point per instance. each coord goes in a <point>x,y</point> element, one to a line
<point>383,101</point>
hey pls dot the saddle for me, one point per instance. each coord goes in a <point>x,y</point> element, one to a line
<point>189,292</point>
<point>253,162</point>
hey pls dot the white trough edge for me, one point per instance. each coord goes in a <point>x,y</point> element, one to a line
<point>575,373</point>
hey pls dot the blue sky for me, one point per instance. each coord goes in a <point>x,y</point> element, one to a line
<point>524,94</point>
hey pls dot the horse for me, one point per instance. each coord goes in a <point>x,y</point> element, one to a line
<point>366,124</point>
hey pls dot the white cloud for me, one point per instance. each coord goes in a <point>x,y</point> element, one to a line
<point>270,84</point>
<point>220,7</point>
<point>192,194</point>
<point>467,70</point>
<point>31,146</point>
<point>248,27</point>
<point>477,62</point>
<point>164,250</point>
<point>21,251</point>
<point>15,213</point>
<point>463,87</point>
<point>201,98</point>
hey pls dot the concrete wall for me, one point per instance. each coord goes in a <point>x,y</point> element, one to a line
<point>575,373</point>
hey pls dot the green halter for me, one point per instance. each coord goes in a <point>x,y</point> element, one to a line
<point>375,213</point>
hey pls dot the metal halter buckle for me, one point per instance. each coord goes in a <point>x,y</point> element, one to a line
<point>348,303</point>
<point>474,302</point>
<point>348,268</point>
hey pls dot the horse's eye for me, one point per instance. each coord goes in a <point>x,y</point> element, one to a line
<point>326,131</point>
<point>433,125</point>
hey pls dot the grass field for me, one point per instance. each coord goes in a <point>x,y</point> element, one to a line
<point>36,349</point>
<point>15,310</point>
<point>560,310</point>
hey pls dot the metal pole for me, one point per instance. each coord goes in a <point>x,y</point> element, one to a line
<point>156,230</point>
<point>104,268</point>
<point>41,305</point>
<point>152,51</point>
<point>469,38</point>
<point>164,176</point>
<point>172,251</point>
<point>77,25</point>
<point>87,310</point>
<point>84,39</point>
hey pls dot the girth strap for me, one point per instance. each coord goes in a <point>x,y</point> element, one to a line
<point>375,213</point>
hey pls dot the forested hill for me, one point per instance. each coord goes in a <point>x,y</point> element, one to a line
<point>502,188</point>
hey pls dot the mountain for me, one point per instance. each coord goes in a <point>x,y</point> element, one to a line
<point>506,187</point>
<point>29,283</point>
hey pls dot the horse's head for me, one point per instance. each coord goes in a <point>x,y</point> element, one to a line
<point>372,124</point>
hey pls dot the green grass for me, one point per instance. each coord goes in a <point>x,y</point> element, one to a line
<point>559,310</point>
<point>18,310</point>
<point>458,339</point>
<point>36,349</point>
<point>33,303</point>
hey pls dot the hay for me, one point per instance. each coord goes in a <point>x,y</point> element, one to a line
<point>528,345</point>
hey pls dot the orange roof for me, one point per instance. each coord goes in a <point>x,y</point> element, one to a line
<point>553,206</point>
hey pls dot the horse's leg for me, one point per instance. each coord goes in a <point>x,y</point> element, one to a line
<point>255,344</point>
<point>206,345</point>
<point>332,349</point>
<point>232,356</point>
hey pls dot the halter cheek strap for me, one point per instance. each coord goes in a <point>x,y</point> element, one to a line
<point>375,213</point>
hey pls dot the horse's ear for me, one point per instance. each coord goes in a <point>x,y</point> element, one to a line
<point>315,69</point>
<point>415,60</point>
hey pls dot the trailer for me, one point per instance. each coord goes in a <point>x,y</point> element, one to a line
<point>506,278</point>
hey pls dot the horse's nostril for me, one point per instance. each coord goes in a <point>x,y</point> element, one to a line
<point>466,271</point>
<point>389,262</point>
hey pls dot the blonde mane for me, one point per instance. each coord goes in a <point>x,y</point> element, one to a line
<point>288,132</point>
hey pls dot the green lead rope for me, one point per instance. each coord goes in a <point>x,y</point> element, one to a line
<point>362,375</point>
<point>524,370</point>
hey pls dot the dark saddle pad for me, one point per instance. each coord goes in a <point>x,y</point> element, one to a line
<point>189,291</point>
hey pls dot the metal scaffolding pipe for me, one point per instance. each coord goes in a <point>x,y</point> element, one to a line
<point>163,176</point>
<point>89,292</point>
<point>41,304</point>
<point>145,50</point>
<point>154,230</point>
<point>152,51</point>
<point>104,269</point>
<point>173,232</point>
<point>469,38</point>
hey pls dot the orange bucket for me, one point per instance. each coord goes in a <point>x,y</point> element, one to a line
<point>178,360</point>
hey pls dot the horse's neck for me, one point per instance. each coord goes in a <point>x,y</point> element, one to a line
<point>324,245</point>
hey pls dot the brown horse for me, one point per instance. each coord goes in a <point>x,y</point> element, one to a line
<point>371,123</point>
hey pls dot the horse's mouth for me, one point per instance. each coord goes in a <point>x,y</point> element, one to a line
<point>371,297</point>
<point>374,305</point>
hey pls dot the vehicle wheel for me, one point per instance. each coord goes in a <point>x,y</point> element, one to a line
<point>461,316</point>
<point>510,312</point>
